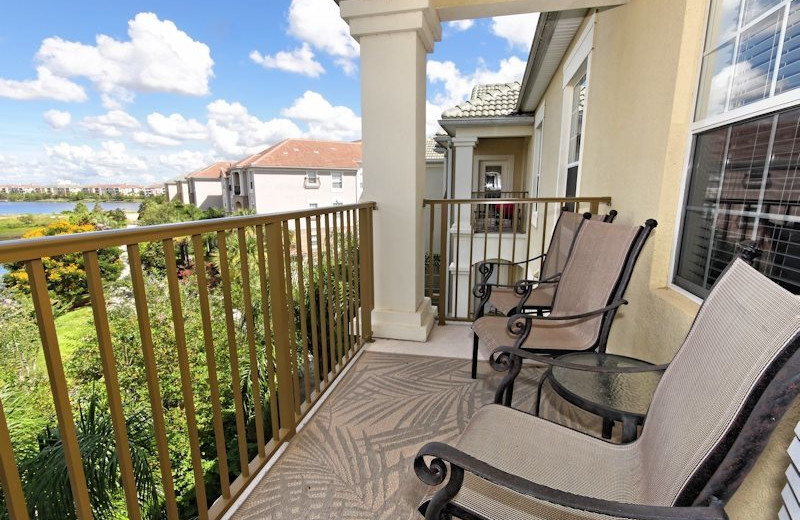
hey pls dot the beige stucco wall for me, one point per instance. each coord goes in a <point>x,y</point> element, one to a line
<point>516,147</point>
<point>643,76</point>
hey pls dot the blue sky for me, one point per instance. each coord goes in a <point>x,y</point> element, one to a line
<point>144,91</point>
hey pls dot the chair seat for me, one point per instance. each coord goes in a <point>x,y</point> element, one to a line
<point>546,453</point>
<point>566,335</point>
<point>504,299</point>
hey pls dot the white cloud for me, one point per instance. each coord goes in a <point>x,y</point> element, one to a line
<point>176,126</point>
<point>324,120</point>
<point>57,119</point>
<point>111,160</point>
<point>300,61</point>
<point>461,25</point>
<point>318,23</point>
<point>456,86</point>
<point>235,132</point>
<point>159,57</point>
<point>517,29</point>
<point>45,86</point>
<point>186,161</point>
<point>153,140</point>
<point>110,124</point>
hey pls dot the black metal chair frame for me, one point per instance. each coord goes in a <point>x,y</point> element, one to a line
<point>521,324</point>
<point>702,497</point>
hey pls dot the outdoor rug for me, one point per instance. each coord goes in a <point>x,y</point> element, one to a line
<point>353,460</point>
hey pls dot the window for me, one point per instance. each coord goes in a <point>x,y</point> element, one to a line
<point>313,205</point>
<point>743,181</point>
<point>338,203</point>
<point>576,117</point>
<point>336,180</point>
<point>311,180</point>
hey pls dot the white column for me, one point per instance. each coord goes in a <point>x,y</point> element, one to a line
<point>395,38</point>
<point>464,151</point>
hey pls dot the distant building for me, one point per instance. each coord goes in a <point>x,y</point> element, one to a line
<point>295,174</point>
<point>205,185</point>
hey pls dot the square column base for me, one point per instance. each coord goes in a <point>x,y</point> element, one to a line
<point>409,326</point>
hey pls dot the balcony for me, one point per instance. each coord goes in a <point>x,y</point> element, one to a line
<point>230,347</point>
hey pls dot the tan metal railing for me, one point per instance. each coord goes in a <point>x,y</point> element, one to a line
<point>464,232</point>
<point>321,258</point>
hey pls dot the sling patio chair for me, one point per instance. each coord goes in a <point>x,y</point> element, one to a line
<point>711,416</point>
<point>504,299</point>
<point>587,296</point>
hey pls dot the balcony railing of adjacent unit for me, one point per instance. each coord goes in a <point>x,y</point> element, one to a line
<point>459,235</point>
<point>499,217</point>
<point>255,334</point>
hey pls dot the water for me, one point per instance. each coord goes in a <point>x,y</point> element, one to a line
<point>25,208</point>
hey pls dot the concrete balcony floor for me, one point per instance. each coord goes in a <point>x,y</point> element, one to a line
<point>353,457</point>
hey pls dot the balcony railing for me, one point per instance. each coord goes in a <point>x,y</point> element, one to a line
<point>460,233</point>
<point>280,312</point>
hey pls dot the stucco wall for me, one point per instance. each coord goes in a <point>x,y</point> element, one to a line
<point>207,193</point>
<point>642,82</point>
<point>282,190</point>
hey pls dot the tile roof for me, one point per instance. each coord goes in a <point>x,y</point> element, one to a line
<point>306,153</point>
<point>213,171</point>
<point>493,100</point>
<point>430,153</point>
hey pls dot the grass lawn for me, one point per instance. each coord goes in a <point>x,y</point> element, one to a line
<point>72,327</point>
<point>14,226</point>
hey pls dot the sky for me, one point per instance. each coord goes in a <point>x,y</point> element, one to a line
<point>140,92</point>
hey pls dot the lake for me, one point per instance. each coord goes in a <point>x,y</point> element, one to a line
<point>24,208</point>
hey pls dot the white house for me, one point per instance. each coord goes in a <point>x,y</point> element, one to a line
<point>295,174</point>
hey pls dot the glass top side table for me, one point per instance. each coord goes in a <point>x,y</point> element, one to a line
<point>623,397</point>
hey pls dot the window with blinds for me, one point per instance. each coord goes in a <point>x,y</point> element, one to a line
<point>752,50</point>
<point>744,185</point>
<point>743,181</point>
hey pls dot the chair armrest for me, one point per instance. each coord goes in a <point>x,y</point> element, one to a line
<point>435,472</point>
<point>504,262</point>
<point>500,361</point>
<point>521,323</point>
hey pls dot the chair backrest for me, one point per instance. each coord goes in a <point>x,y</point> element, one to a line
<point>742,336</point>
<point>564,233</point>
<point>597,273</point>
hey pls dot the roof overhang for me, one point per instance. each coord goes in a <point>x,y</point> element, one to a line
<point>554,34</point>
<point>515,126</point>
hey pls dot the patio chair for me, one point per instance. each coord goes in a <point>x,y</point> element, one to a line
<point>711,416</point>
<point>504,299</point>
<point>587,296</point>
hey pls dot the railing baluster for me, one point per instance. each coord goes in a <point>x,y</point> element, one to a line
<point>109,365</point>
<point>444,263</point>
<point>290,317</point>
<point>367,281</point>
<point>334,357</point>
<point>151,372</point>
<point>244,264</point>
<point>280,317</point>
<point>265,316</point>
<point>58,387</point>
<point>14,499</point>
<point>312,300</point>
<point>186,377</point>
<point>443,236</point>
<point>347,339</point>
<point>544,237</point>
<point>301,290</point>
<point>337,292</point>
<point>211,364</point>
<point>230,327</point>
<point>356,290</point>
<point>528,232</point>
<point>470,299</point>
<point>429,260</point>
<point>321,289</point>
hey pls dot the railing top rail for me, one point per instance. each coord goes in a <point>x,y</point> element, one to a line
<point>29,249</point>
<point>601,200</point>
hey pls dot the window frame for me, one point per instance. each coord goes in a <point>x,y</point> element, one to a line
<point>770,105</point>
<point>341,181</point>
